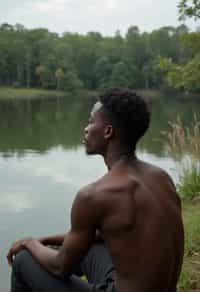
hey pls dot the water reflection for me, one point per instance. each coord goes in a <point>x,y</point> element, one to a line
<point>42,124</point>
<point>37,193</point>
<point>164,110</point>
<point>27,183</point>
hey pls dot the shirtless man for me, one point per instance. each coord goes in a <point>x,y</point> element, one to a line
<point>134,207</point>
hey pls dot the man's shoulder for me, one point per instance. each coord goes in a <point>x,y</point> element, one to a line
<point>85,202</point>
<point>89,192</point>
<point>152,169</point>
<point>95,190</point>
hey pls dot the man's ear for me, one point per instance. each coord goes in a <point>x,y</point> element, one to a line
<point>108,132</point>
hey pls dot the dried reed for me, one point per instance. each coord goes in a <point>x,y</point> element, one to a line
<point>183,143</point>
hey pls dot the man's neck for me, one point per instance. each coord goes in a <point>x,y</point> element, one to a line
<point>115,155</point>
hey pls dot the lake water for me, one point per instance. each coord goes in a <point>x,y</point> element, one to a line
<point>43,163</point>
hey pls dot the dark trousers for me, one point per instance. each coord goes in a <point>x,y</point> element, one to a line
<point>29,276</point>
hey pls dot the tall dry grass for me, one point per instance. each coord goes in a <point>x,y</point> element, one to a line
<point>183,143</point>
<point>183,140</point>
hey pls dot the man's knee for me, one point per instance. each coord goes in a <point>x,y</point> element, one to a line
<point>20,260</point>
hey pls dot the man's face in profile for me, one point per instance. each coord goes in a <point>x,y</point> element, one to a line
<point>94,132</point>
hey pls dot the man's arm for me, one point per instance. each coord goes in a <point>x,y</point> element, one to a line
<point>58,239</point>
<point>84,222</point>
<point>54,240</point>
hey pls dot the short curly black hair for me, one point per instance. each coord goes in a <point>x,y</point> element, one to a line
<point>129,113</point>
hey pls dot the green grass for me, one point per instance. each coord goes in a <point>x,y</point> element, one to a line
<point>189,181</point>
<point>184,142</point>
<point>29,93</point>
<point>190,276</point>
<point>149,93</point>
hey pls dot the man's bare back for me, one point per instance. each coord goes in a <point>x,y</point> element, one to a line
<point>141,213</point>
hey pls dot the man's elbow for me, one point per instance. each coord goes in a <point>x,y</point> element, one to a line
<point>54,270</point>
<point>61,271</point>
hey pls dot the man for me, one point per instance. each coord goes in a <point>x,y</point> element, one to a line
<point>134,207</point>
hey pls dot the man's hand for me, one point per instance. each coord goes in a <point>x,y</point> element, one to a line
<point>16,247</point>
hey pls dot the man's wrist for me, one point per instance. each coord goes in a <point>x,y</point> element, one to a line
<point>29,243</point>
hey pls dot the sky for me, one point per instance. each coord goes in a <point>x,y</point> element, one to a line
<point>82,16</point>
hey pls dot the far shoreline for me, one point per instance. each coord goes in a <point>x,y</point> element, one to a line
<point>11,93</point>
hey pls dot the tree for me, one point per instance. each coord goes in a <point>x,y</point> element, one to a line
<point>119,77</point>
<point>63,53</point>
<point>192,41</point>
<point>71,82</point>
<point>189,8</point>
<point>46,76</point>
<point>37,57</point>
<point>161,42</point>
<point>185,77</point>
<point>19,61</point>
<point>135,49</point>
<point>60,76</point>
<point>148,74</point>
<point>6,27</point>
<point>103,70</point>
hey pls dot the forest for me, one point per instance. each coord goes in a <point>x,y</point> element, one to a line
<point>166,59</point>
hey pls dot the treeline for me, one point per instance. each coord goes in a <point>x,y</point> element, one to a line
<point>39,58</point>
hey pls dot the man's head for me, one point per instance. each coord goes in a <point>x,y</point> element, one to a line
<point>119,115</point>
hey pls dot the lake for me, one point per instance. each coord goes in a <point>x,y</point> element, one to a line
<point>43,162</point>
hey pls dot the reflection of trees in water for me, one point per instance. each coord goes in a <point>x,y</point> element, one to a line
<point>163,111</point>
<point>41,124</point>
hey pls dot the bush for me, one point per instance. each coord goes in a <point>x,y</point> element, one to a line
<point>189,181</point>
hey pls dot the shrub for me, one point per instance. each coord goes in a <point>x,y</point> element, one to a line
<point>189,181</point>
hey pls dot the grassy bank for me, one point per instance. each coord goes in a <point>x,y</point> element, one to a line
<point>149,93</point>
<point>190,276</point>
<point>184,141</point>
<point>29,93</point>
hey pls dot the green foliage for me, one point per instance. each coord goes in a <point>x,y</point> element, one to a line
<point>182,77</point>
<point>103,69</point>
<point>189,8</point>
<point>37,57</point>
<point>189,280</point>
<point>174,74</point>
<point>59,74</point>
<point>119,77</point>
<point>45,75</point>
<point>189,181</point>
<point>71,82</point>
<point>191,41</point>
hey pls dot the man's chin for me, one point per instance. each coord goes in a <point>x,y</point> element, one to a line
<point>90,152</point>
